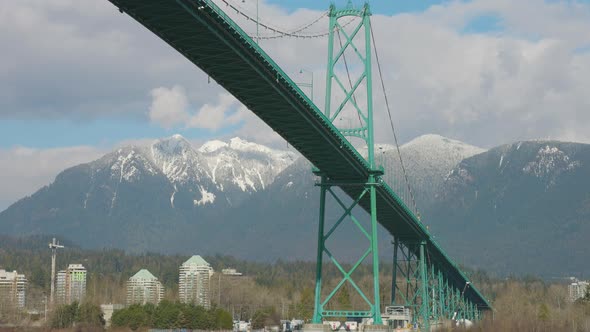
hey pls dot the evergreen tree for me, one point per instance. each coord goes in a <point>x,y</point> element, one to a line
<point>182,321</point>
<point>86,314</point>
<point>223,319</point>
<point>304,308</point>
<point>543,314</point>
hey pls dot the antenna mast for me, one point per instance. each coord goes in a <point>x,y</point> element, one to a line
<point>53,246</point>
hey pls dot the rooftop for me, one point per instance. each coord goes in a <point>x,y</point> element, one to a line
<point>196,260</point>
<point>143,274</point>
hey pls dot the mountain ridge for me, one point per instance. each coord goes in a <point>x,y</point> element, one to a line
<point>224,197</point>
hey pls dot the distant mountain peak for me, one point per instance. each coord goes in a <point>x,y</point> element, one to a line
<point>212,146</point>
<point>239,144</point>
<point>172,144</point>
<point>438,140</point>
<point>129,164</point>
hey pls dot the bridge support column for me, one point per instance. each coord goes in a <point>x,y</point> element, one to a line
<point>419,285</point>
<point>375,253</point>
<point>321,302</point>
<point>317,316</point>
<point>352,102</point>
<point>425,300</point>
<point>394,272</point>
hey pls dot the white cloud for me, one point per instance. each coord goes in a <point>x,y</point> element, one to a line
<point>74,59</point>
<point>523,82</point>
<point>169,106</point>
<point>228,111</point>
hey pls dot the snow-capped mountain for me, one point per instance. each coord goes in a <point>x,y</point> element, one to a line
<point>139,194</point>
<point>528,201</point>
<point>245,165</point>
<point>216,170</point>
<point>428,159</point>
<point>185,168</point>
<point>225,196</point>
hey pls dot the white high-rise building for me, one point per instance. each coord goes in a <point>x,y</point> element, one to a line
<point>193,281</point>
<point>12,289</point>
<point>71,284</point>
<point>144,288</point>
<point>577,289</point>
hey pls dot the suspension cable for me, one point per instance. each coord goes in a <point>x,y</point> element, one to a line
<point>294,35</point>
<point>392,126</point>
<point>281,32</point>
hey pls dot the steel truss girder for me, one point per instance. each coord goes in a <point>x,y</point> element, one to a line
<point>421,286</point>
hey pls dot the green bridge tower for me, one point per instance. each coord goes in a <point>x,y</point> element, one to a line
<point>349,34</point>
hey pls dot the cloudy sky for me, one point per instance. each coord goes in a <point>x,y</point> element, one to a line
<point>78,78</point>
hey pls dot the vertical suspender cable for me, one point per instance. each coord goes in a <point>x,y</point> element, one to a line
<point>411,194</point>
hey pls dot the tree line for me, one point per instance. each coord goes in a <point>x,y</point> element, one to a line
<point>172,315</point>
<point>85,315</point>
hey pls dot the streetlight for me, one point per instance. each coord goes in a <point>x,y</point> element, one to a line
<point>257,35</point>
<point>467,283</point>
<point>307,85</point>
<point>464,288</point>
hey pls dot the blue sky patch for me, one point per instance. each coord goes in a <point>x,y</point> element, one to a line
<point>583,49</point>
<point>484,24</point>
<point>102,132</point>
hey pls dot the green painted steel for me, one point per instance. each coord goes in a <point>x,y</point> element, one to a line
<point>207,37</point>
<point>394,272</point>
<point>364,131</point>
<point>426,290</point>
<point>424,305</point>
<point>317,317</point>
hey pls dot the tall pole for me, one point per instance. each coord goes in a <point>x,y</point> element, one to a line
<point>53,252</point>
<point>394,272</point>
<point>257,24</point>
<point>305,84</point>
<point>53,246</point>
<point>45,304</point>
<point>219,291</point>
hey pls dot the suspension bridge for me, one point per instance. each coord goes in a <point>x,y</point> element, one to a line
<point>426,282</point>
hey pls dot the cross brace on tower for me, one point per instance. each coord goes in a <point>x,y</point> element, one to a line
<point>363,110</point>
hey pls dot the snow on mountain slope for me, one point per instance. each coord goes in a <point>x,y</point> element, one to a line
<point>428,160</point>
<point>219,166</point>
<point>212,146</point>
<point>249,166</point>
<point>197,177</point>
<point>178,160</point>
<point>550,159</point>
<point>128,164</point>
<point>438,151</point>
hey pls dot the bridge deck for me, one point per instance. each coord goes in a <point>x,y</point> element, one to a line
<point>206,36</point>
